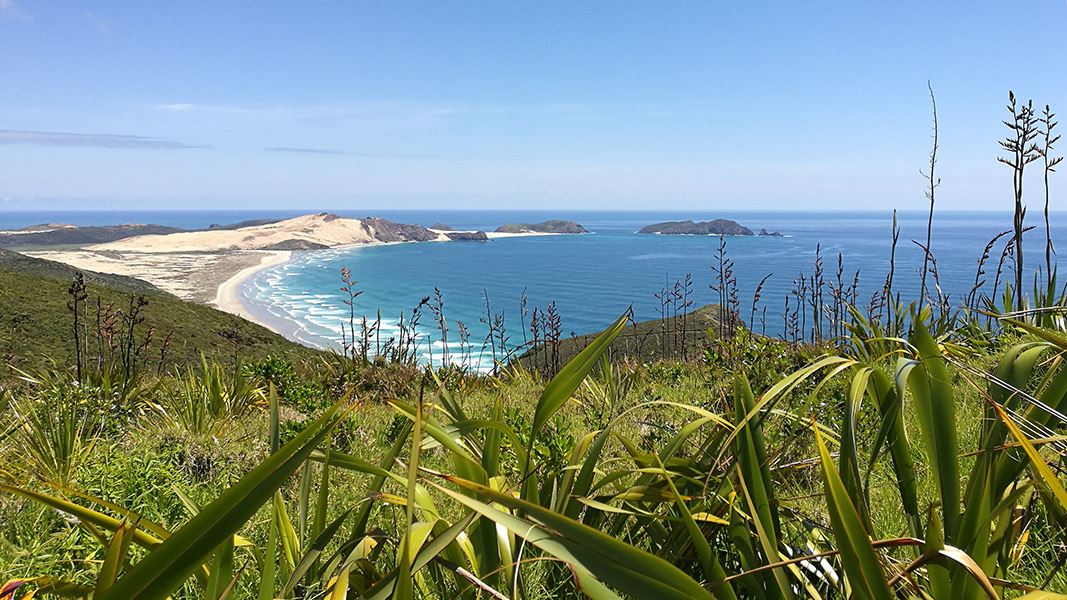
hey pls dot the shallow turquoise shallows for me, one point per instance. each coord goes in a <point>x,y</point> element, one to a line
<point>593,278</point>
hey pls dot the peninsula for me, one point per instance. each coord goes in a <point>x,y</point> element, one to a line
<point>209,265</point>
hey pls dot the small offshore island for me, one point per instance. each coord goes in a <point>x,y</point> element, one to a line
<point>551,226</point>
<point>716,227</point>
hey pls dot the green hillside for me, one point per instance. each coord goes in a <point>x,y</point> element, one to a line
<point>36,324</point>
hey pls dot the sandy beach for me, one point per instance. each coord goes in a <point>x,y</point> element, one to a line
<point>499,235</point>
<point>201,275</point>
<point>227,295</point>
<point>209,266</point>
<point>212,278</point>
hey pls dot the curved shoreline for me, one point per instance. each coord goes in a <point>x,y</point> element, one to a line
<point>210,277</point>
<point>228,297</point>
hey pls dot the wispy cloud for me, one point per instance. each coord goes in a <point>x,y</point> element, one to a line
<point>177,107</point>
<point>394,113</point>
<point>103,25</point>
<point>376,109</point>
<point>89,140</point>
<point>332,152</point>
<point>9,9</point>
<point>293,150</point>
<point>371,111</point>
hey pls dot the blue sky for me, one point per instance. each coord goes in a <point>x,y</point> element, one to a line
<point>514,104</point>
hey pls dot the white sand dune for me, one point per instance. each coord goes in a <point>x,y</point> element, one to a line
<point>318,229</point>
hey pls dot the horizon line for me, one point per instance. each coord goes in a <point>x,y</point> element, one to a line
<point>550,209</point>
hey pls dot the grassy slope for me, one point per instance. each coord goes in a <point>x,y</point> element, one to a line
<point>35,323</point>
<point>13,262</point>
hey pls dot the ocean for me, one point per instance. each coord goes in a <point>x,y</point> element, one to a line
<point>594,278</point>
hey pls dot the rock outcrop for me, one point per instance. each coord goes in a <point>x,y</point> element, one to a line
<point>389,231</point>
<point>467,236</point>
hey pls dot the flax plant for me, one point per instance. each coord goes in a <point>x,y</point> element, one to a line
<point>1022,150</point>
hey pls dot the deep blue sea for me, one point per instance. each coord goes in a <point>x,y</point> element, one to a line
<point>591,278</point>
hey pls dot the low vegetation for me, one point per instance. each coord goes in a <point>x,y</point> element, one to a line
<point>36,328</point>
<point>908,450</point>
<point>764,470</point>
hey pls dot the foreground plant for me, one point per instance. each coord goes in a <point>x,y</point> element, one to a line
<point>174,557</point>
<point>699,514</point>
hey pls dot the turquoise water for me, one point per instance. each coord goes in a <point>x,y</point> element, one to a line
<point>594,278</point>
<point>591,278</point>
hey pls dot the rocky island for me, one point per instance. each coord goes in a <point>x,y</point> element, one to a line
<point>467,236</point>
<point>716,227</point>
<point>550,226</point>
